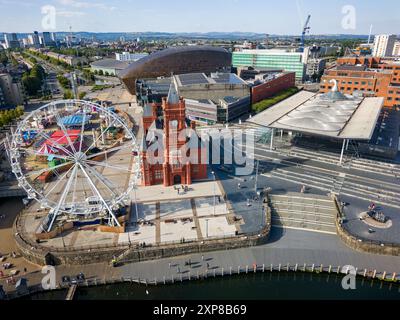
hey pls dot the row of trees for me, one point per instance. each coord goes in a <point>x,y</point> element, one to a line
<point>101,73</point>
<point>7,116</point>
<point>3,58</point>
<point>64,82</point>
<point>33,79</point>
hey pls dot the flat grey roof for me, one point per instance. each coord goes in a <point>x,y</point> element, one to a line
<point>110,63</point>
<point>320,114</point>
<point>188,79</point>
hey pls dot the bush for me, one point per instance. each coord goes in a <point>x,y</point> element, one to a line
<point>82,95</point>
<point>266,103</point>
<point>68,94</point>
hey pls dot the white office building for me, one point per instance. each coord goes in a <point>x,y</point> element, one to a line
<point>384,45</point>
<point>127,56</point>
<point>396,48</point>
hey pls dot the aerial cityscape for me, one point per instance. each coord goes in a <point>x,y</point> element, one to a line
<point>199,151</point>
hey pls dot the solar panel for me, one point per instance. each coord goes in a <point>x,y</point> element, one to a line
<point>192,78</point>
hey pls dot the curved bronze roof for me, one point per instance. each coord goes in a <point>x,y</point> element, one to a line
<point>176,60</point>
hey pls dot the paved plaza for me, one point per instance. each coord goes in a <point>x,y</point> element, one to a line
<point>164,216</point>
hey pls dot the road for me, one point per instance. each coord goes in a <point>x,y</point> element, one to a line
<point>358,182</point>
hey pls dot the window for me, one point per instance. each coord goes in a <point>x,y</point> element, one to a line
<point>158,175</point>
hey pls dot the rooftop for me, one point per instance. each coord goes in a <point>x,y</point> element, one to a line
<point>333,115</point>
<point>200,78</point>
<point>270,52</point>
<point>110,63</point>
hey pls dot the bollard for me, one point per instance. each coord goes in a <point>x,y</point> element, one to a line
<point>222,271</point>
<point>384,275</point>
<point>338,269</point>
<point>230,270</point>
<point>172,278</point>
<point>295,267</point>
<point>312,268</point>
<point>155,281</point>
<point>164,280</point>
<point>255,268</point>
<point>214,273</point>
<point>279,267</point>
<point>198,275</point>
<point>145,281</point>
<point>247,269</point>
<point>356,270</point>
<point>304,268</point>
<point>272,267</point>
<point>394,276</point>
<point>181,278</point>
<point>321,268</point>
<point>365,273</point>
<point>238,269</point>
<point>374,275</point>
<point>347,270</point>
<point>288,267</point>
<point>189,276</point>
<point>263,269</point>
<point>330,269</point>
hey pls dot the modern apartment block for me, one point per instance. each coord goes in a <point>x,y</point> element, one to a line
<point>383,45</point>
<point>12,90</point>
<point>265,59</point>
<point>369,76</point>
<point>11,40</point>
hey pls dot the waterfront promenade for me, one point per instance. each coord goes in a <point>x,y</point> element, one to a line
<point>286,246</point>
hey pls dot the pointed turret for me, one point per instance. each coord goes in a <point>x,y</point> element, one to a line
<point>173,97</point>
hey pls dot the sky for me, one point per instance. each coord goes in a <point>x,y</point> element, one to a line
<point>284,17</point>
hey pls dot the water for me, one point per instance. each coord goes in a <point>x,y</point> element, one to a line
<point>261,286</point>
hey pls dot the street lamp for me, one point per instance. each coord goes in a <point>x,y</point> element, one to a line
<point>207,228</point>
<point>136,206</point>
<point>213,173</point>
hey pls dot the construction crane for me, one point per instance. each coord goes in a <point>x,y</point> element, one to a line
<point>306,29</point>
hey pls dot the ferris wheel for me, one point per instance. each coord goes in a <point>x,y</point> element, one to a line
<point>76,158</point>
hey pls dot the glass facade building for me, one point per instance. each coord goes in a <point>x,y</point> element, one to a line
<point>271,59</point>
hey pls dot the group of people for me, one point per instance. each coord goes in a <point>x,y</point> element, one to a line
<point>188,263</point>
<point>184,189</point>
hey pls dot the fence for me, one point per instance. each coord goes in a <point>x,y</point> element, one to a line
<point>99,253</point>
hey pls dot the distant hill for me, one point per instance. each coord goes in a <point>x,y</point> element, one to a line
<point>110,36</point>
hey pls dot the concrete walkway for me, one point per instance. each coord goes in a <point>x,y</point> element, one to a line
<point>287,246</point>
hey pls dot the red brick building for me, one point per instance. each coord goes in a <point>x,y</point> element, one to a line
<point>269,87</point>
<point>170,117</point>
<point>370,75</point>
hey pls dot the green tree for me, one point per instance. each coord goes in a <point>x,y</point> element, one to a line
<point>101,72</point>
<point>68,94</point>
<point>82,95</point>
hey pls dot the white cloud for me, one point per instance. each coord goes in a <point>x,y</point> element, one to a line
<point>85,5</point>
<point>70,14</point>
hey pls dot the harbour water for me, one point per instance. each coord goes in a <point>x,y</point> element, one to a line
<point>261,286</point>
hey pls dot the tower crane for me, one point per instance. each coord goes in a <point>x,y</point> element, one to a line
<point>306,29</point>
